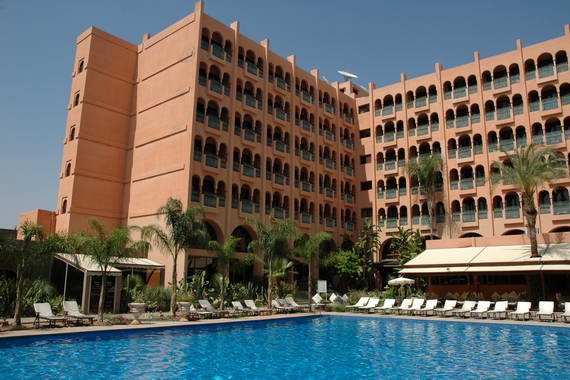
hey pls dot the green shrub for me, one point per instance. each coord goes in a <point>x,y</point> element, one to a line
<point>34,292</point>
<point>156,299</point>
<point>338,308</point>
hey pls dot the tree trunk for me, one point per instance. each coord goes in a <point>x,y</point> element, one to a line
<point>269,283</point>
<point>223,289</point>
<point>310,284</point>
<point>174,283</point>
<point>530,212</point>
<point>19,291</point>
<point>102,296</point>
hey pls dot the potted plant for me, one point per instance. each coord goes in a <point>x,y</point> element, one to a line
<point>137,308</point>
<point>184,303</point>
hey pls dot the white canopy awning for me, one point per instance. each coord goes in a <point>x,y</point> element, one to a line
<point>85,264</point>
<point>512,258</point>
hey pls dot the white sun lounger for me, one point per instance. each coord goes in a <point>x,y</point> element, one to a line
<point>447,308</point>
<point>405,305</point>
<point>239,309</point>
<point>250,304</point>
<point>481,309</point>
<point>361,302</point>
<point>388,304</point>
<point>199,313</point>
<point>428,308</point>
<point>523,310</point>
<point>294,304</point>
<point>207,306</point>
<point>545,310</point>
<point>43,311</point>
<point>499,310</point>
<point>416,305</point>
<point>466,308</point>
<point>71,309</point>
<point>372,303</point>
<point>564,317</point>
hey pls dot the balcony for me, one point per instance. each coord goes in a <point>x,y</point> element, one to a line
<point>282,84</point>
<point>349,144</point>
<point>482,214</point>
<point>452,153</point>
<point>330,222</point>
<point>466,183</point>
<point>349,198</point>
<point>348,118</point>
<point>512,212</point>
<point>459,92</point>
<point>549,103</point>
<point>503,113</point>
<point>248,170</point>
<point>389,137</point>
<point>306,97</point>
<point>544,208</point>
<point>392,222</point>
<point>456,216</point>
<point>195,196</point>
<point>561,207</point>
<point>468,216</point>
<point>329,108</point>
<point>329,192</point>
<point>306,186</point>
<point>426,220</point>
<point>501,82</point>
<point>278,212</point>
<point>349,226</point>
<point>480,181</point>
<point>330,164</point>
<point>507,145</point>
<point>546,71</point>
<point>423,130</point>
<point>306,218</point>
<point>478,148</point>
<point>281,115</point>
<point>454,185</point>
<point>538,139</point>
<point>210,200</point>
<point>554,137</point>
<point>349,170</point>
<point>391,193</point>
<point>247,206</point>
<point>251,68</point>
<point>279,179</point>
<point>380,194</point>
<point>281,146</point>
<point>390,165</point>
<point>306,125</point>
<point>250,101</point>
<point>214,122</point>
<point>464,152</point>
<point>307,156</point>
<point>211,160</point>
<point>421,102</point>
<point>462,121</point>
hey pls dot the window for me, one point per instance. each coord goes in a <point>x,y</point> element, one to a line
<point>366,212</point>
<point>365,186</point>
<point>80,66</point>
<point>68,169</point>
<point>365,133</point>
<point>76,99</point>
<point>72,134</point>
<point>364,108</point>
<point>366,159</point>
<point>64,206</point>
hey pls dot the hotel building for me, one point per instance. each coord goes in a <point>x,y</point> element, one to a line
<point>202,113</point>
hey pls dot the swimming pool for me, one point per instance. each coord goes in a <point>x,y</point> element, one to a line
<point>332,347</point>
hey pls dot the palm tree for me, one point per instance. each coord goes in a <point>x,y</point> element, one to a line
<point>103,248</point>
<point>184,230</point>
<point>367,244</point>
<point>529,168</point>
<point>224,254</point>
<point>408,243</point>
<point>272,242</point>
<point>427,171</point>
<point>308,248</point>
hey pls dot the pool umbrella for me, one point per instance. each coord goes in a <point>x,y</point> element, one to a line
<point>400,281</point>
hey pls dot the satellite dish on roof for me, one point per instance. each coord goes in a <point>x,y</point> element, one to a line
<point>347,75</point>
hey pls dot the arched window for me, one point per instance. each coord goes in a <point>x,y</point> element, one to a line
<point>549,98</point>
<point>81,65</point>
<point>517,104</point>
<point>459,88</point>
<point>561,62</point>
<point>492,141</point>
<point>503,108</point>
<point>514,73</point>
<point>513,207</point>
<point>447,91</point>
<point>520,136</point>
<point>544,202</point>
<point>533,101</point>
<point>529,69</point>
<point>537,134</point>
<point>487,80</point>
<point>72,134</point>
<point>561,201</point>
<point>472,84</point>
<point>68,169</point>
<point>432,93</point>
<point>497,207</point>
<point>565,94</point>
<point>500,77</point>
<point>482,208</point>
<point>545,65</point>
<point>64,206</point>
<point>76,99</point>
<point>489,110</point>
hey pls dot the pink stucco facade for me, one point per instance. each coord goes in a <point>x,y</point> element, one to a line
<point>202,113</point>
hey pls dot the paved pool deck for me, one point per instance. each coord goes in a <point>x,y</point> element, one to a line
<point>146,324</point>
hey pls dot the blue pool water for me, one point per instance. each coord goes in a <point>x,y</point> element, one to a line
<point>325,347</point>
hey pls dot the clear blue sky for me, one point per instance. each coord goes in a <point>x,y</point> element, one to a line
<point>375,39</point>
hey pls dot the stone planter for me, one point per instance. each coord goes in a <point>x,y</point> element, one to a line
<point>184,308</point>
<point>137,309</point>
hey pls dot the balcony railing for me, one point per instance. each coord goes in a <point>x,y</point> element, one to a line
<point>426,220</point>
<point>380,193</point>
<point>482,214</point>
<point>216,86</point>
<point>306,186</point>
<point>210,200</point>
<point>329,135</point>
<point>392,222</point>
<point>456,216</point>
<point>211,160</point>
<point>468,216</point>
<point>545,71</point>
<point>330,222</point>
<point>213,122</point>
<point>389,136</point>
<point>459,92</point>
<point>248,170</point>
<point>282,84</point>
<point>554,137</point>
<point>306,218</point>
<point>388,110</point>
<point>348,143</point>
<point>544,208</point>
<point>423,130</point>
<point>512,212</point>
<point>281,146</point>
<point>498,212</point>
<point>349,198</point>
<point>464,151</point>
<point>549,103</point>
<point>501,82</point>
<point>507,145</point>
<point>251,68</point>
<point>349,170</point>
<point>480,181</point>
<point>391,193</point>
<point>561,207</point>
<point>421,102</point>
<point>329,108</point>
<point>390,165</point>
<point>466,183</point>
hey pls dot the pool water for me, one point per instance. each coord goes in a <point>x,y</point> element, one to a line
<point>320,347</point>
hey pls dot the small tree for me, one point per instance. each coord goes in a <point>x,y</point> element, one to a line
<point>25,255</point>
<point>272,242</point>
<point>224,254</point>
<point>366,246</point>
<point>427,170</point>
<point>346,264</point>
<point>308,248</point>
<point>184,230</point>
<point>103,248</point>
<point>529,168</point>
<point>408,243</point>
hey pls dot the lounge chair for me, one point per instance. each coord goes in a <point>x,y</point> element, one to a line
<point>195,313</point>
<point>284,303</point>
<point>71,309</point>
<point>250,304</point>
<point>239,309</point>
<point>466,308</point>
<point>388,304</point>
<point>405,305</point>
<point>294,304</point>
<point>361,302</point>
<point>546,310</point>
<point>416,305</point>
<point>43,311</point>
<point>566,315</point>
<point>499,309</point>
<point>280,308</point>
<point>481,309</point>
<point>207,306</point>
<point>428,308</point>
<point>523,310</point>
<point>447,308</point>
<point>372,303</point>
<point>344,299</point>
<point>317,301</point>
